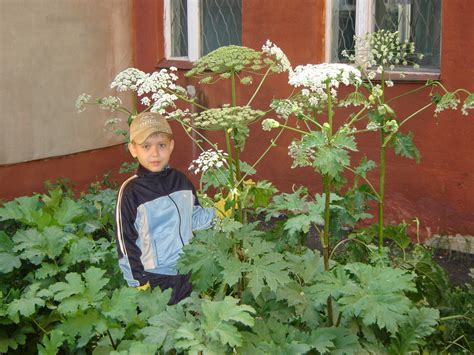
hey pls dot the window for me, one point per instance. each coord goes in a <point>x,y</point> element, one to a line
<point>416,20</point>
<point>194,28</point>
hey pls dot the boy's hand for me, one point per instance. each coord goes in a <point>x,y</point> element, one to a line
<point>144,287</point>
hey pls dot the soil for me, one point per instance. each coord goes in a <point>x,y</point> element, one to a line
<point>456,264</point>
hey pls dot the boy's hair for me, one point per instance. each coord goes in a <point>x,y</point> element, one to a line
<point>147,123</point>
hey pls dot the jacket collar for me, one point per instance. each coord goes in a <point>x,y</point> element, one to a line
<point>144,172</point>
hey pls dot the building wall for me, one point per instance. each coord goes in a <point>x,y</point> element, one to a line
<point>50,52</point>
<point>439,191</point>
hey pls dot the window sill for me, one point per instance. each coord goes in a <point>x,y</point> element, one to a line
<point>179,64</point>
<point>410,75</point>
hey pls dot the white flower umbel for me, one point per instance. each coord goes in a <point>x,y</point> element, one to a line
<point>448,101</point>
<point>268,124</point>
<point>161,85</point>
<point>208,159</point>
<point>145,101</point>
<point>383,49</point>
<point>111,103</point>
<point>158,80</point>
<point>316,78</point>
<point>272,50</point>
<point>285,108</point>
<point>128,79</point>
<point>82,101</point>
<point>162,100</point>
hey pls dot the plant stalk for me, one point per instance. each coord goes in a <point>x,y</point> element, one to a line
<point>383,151</point>
<point>381,191</point>
<point>327,207</point>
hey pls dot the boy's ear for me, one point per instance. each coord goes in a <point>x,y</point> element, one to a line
<point>132,150</point>
<point>172,145</point>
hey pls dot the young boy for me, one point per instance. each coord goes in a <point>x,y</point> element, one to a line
<point>157,210</point>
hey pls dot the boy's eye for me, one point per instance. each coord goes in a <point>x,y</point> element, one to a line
<point>162,145</point>
<point>145,146</point>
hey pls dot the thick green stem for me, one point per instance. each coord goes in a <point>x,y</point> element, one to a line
<point>272,144</point>
<point>383,149</point>
<point>134,99</point>
<point>326,252</point>
<point>327,220</point>
<point>327,206</point>
<point>229,159</point>
<point>236,150</point>
<point>381,190</point>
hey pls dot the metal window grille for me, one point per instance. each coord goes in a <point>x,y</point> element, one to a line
<point>220,24</point>
<point>343,28</point>
<point>416,20</point>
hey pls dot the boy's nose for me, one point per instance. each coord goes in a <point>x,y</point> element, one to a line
<point>154,150</point>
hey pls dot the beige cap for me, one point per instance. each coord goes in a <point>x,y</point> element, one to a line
<point>147,123</point>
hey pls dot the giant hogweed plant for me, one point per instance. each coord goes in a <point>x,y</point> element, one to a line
<point>327,148</point>
<point>159,92</point>
<point>291,290</point>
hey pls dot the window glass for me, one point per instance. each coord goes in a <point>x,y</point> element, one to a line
<point>221,24</point>
<point>343,28</point>
<point>416,20</point>
<point>179,28</point>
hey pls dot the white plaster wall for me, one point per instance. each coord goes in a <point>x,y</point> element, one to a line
<point>50,52</point>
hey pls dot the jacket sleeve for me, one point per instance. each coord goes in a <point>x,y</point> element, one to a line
<point>126,236</point>
<point>203,218</point>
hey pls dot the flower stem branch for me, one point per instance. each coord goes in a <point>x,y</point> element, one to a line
<point>258,87</point>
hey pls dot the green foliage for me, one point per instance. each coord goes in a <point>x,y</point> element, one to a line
<point>63,291</point>
<point>404,146</point>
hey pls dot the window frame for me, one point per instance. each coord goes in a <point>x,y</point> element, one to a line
<point>365,22</point>
<point>194,31</point>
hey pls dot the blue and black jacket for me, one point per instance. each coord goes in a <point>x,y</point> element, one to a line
<point>156,214</point>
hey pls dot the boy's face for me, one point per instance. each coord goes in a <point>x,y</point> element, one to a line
<point>154,153</point>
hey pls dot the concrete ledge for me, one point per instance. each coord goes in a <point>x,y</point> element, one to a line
<point>461,243</point>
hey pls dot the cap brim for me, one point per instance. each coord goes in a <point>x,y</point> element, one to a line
<point>143,135</point>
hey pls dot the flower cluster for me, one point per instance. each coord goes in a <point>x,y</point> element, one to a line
<point>269,123</point>
<point>224,117</point>
<point>302,156</point>
<point>317,78</point>
<point>383,49</point>
<point>225,60</point>
<point>161,85</point>
<point>391,126</point>
<point>283,64</point>
<point>209,159</point>
<point>157,81</point>
<point>448,101</point>
<point>113,121</point>
<point>128,79</point>
<point>111,103</point>
<point>373,126</point>
<point>285,108</point>
<point>82,101</point>
<point>468,104</point>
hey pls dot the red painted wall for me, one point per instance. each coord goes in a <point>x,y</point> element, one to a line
<point>81,168</point>
<point>439,191</point>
